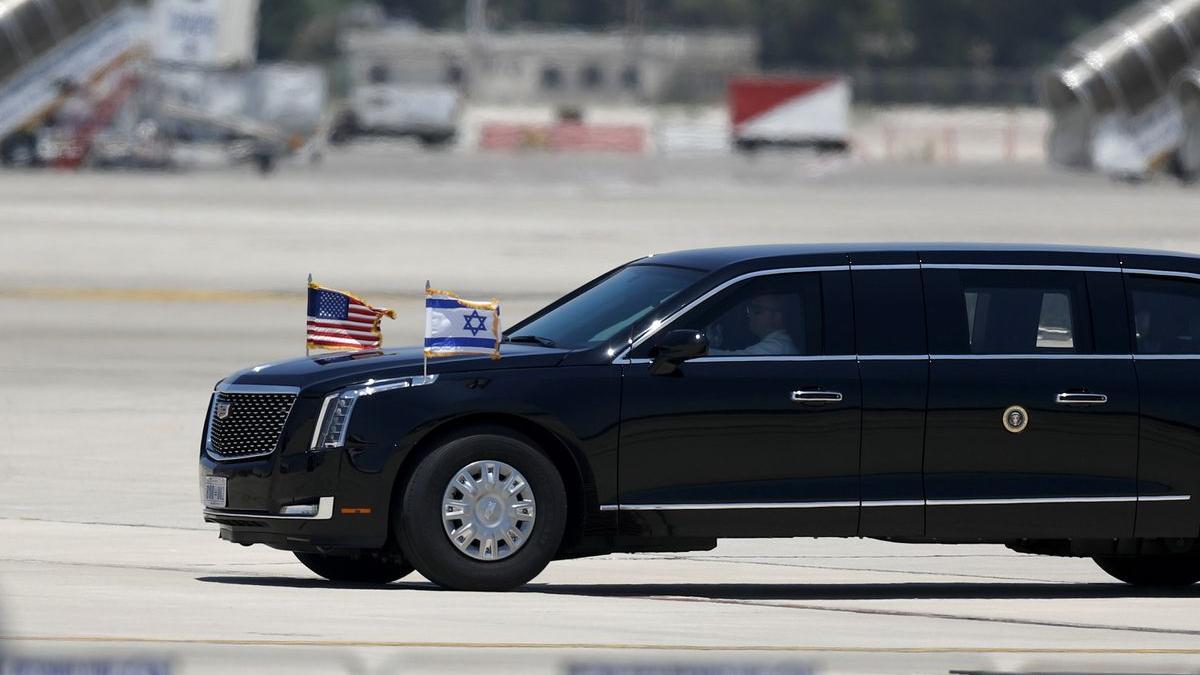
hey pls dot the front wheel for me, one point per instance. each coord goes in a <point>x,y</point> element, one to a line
<point>19,150</point>
<point>483,512</point>
<point>364,569</point>
<point>1153,570</point>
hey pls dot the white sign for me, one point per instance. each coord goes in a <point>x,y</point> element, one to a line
<point>205,33</point>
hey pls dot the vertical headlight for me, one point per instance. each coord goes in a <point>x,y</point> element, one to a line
<point>334,421</point>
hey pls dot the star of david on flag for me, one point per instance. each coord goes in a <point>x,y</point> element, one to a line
<point>455,326</point>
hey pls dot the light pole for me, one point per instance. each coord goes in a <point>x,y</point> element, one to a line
<point>476,20</point>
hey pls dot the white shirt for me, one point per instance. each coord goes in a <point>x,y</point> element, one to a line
<point>776,343</point>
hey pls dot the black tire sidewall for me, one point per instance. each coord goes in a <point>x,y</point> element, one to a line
<point>367,570</point>
<point>421,532</point>
<point>1153,571</point>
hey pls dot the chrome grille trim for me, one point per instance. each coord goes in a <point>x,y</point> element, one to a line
<point>256,422</point>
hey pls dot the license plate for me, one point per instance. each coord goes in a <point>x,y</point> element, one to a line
<point>212,492</point>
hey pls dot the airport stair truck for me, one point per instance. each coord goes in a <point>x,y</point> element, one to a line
<point>1122,98</point>
<point>79,140</point>
<point>52,51</point>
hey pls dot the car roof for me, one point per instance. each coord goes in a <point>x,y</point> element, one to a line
<point>710,259</point>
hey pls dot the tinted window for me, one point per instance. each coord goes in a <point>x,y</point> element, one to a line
<point>1166,315</point>
<point>773,315</point>
<point>610,307</point>
<point>889,312</point>
<point>1009,312</point>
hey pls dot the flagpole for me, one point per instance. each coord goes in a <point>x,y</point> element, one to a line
<point>306,290</point>
<point>424,354</point>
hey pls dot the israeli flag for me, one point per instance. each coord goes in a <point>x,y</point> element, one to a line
<point>455,326</point>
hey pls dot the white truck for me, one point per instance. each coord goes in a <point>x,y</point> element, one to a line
<point>393,91</point>
<point>428,113</point>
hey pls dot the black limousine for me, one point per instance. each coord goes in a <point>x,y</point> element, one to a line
<point>1046,399</point>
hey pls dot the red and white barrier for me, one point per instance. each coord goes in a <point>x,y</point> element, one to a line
<point>564,136</point>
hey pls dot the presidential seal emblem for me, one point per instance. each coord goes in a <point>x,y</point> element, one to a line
<point>1016,419</point>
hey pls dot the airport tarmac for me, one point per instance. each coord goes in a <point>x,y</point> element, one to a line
<point>124,297</point>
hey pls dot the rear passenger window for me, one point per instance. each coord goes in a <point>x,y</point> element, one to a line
<point>987,329</point>
<point>1166,315</point>
<point>1011,312</point>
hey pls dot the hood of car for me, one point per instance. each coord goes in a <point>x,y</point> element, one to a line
<point>324,372</point>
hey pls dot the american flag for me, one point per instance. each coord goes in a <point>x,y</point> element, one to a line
<point>338,320</point>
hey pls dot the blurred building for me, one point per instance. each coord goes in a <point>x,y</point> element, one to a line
<point>566,66</point>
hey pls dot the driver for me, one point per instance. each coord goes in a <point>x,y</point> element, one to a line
<point>766,317</point>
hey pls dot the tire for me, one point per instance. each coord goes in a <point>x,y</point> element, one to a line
<point>365,569</point>
<point>19,150</point>
<point>435,141</point>
<point>344,129</point>
<point>1153,570</point>
<point>424,534</point>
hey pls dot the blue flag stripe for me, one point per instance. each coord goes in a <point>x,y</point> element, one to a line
<point>440,303</point>
<point>486,343</point>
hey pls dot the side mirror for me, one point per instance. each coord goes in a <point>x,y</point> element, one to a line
<point>674,348</point>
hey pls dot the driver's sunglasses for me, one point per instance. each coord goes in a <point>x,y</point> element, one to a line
<point>754,310</point>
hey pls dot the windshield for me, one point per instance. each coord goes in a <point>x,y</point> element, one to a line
<point>610,308</point>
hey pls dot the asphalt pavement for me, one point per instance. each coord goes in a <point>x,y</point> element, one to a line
<point>125,296</point>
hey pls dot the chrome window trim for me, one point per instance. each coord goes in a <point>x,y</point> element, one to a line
<point>324,512</point>
<point>1025,357</point>
<point>900,266</point>
<point>733,506</point>
<point>666,321</point>
<point>893,357</point>
<point>1166,357</point>
<point>1003,266</point>
<point>1162,273</point>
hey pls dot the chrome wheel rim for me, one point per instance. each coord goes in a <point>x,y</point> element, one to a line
<point>488,510</point>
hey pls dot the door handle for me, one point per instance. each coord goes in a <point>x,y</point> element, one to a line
<point>802,396</point>
<point>1080,398</point>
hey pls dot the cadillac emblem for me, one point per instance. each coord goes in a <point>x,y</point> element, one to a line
<point>222,410</point>
<point>1016,419</point>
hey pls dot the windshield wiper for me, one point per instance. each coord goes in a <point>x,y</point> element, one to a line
<point>530,339</point>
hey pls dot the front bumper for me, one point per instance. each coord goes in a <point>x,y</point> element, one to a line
<point>351,506</point>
